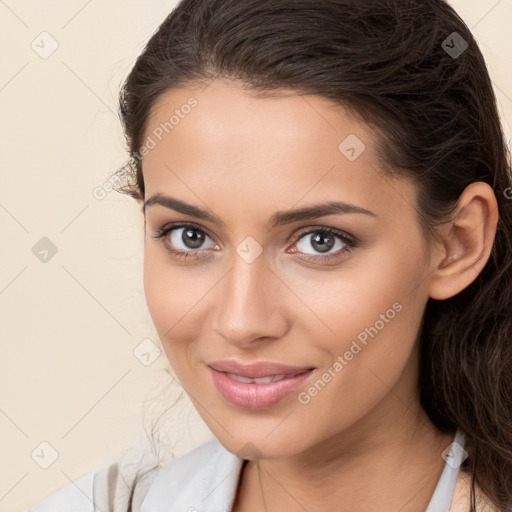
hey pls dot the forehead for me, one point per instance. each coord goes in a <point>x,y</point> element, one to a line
<point>225,111</point>
<point>223,140</point>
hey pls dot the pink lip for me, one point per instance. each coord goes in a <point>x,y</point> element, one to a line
<point>256,370</point>
<point>253,395</point>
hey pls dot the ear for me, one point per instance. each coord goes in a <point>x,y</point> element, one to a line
<point>467,242</point>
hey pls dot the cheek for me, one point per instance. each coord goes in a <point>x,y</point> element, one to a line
<point>375,311</point>
<point>157,289</point>
<point>372,307</point>
<point>170,291</point>
<point>350,301</point>
<point>165,298</point>
<point>175,300</point>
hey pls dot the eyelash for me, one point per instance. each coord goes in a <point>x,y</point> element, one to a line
<point>349,241</point>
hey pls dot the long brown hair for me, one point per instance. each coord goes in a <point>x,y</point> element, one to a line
<point>413,71</point>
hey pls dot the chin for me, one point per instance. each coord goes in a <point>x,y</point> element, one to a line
<point>259,446</point>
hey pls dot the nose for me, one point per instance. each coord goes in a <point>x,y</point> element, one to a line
<point>251,304</point>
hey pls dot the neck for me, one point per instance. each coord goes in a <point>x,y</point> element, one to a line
<point>395,464</point>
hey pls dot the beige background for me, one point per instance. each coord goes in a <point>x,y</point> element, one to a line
<point>69,326</point>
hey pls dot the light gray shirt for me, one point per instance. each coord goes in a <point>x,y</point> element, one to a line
<point>203,480</point>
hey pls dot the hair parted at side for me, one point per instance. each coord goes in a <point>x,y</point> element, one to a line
<point>436,121</point>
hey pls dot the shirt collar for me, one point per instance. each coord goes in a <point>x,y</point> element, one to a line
<point>203,480</point>
<point>454,456</point>
<point>206,479</point>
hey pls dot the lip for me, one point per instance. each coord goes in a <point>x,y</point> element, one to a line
<point>256,370</point>
<point>259,396</point>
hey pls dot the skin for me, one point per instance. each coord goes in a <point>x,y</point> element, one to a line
<point>363,439</point>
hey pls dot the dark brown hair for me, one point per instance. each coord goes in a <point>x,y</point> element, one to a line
<point>435,114</point>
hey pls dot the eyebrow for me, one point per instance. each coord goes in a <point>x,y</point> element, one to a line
<point>279,218</point>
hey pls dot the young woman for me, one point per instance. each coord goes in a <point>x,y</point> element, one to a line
<point>327,198</point>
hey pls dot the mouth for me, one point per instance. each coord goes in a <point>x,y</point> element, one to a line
<point>258,369</point>
<point>258,392</point>
<point>260,380</point>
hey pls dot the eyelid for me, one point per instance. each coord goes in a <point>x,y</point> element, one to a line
<point>323,229</point>
<point>166,228</point>
<point>181,254</point>
<point>296,235</point>
<point>349,240</point>
<point>350,244</point>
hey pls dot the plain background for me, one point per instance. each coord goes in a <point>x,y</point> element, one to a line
<point>72,324</point>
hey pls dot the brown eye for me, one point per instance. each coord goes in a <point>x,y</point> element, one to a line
<point>323,240</point>
<point>184,240</point>
<point>192,238</point>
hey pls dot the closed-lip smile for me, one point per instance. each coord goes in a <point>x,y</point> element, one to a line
<point>257,369</point>
<point>256,385</point>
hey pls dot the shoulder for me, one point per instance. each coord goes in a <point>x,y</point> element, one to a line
<point>76,496</point>
<point>462,496</point>
<point>124,485</point>
<point>119,485</point>
<point>205,478</point>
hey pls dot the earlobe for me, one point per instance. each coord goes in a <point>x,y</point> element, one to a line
<point>468,242</point>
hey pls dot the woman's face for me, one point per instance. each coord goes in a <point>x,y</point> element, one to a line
<point>346,303</point>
